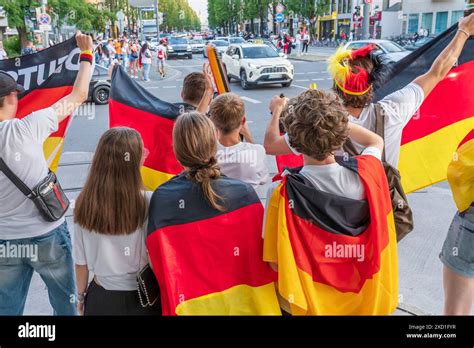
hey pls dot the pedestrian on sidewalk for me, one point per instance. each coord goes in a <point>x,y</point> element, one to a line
<point>21,148</point>
<point>110,219</point>
<point>306,38</point>
<point>133,59</point>
<point>146,60</point>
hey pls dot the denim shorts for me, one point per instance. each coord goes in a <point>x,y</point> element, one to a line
<point>458,249</point>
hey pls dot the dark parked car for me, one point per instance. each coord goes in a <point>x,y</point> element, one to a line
<point>99,87</point>
<point>179,47</point>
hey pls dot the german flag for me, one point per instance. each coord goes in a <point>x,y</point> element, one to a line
<point>218,72</point>
<point>445,118</point>
<point>47,76</point>
<point>461,173</point>
<point>431,137</point>
<point>335,255</point>
<point>131,105</point>
<point>209,262</point>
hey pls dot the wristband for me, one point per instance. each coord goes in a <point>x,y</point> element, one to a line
<point>86,52</point>
<point>86,57</point>
<point>465,32</point>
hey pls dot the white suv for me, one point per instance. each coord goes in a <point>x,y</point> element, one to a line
<point>257,65</point>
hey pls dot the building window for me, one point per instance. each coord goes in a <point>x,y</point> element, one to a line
<point>413,23</point>
<point>456,16</point>
<point>427,22</point>
<point>441,22</point>
<point>339,6</point>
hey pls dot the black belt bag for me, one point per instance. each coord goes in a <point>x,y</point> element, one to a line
<point>48,195</point>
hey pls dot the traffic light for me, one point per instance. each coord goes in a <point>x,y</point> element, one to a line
<point>357,11</point>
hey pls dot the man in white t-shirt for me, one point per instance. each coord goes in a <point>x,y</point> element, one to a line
<point>21,148</point>
<point>398,107</point>
<point>237,159</point>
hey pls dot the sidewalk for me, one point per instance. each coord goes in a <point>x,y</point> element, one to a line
<point>315,54</point>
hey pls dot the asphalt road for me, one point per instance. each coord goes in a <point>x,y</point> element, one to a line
<point>419,268</point>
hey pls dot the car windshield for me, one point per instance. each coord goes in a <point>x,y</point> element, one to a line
<point>391,47</point>
<point>423,41</point>
<point>236,40</point>
<point>197,41</point>
<point>220,43</point>
<point>178,41</point>
<point>259,52</point>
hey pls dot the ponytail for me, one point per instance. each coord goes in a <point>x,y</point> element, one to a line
<point>195,147</point>
<point>204,175</point>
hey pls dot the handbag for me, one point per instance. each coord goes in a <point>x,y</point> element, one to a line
<point>48,196</point>
<point>402,212</point>
<point>147,285</point>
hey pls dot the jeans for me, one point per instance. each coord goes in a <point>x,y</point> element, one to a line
<point>146,71</point>
<point>51,256</point>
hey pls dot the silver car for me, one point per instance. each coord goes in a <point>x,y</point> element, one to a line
<point>221,47</point>
<point>390,49</point>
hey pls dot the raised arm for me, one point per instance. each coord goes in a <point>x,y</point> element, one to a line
<point>446,60</point>
<point>365,137</point>
<point>80,91</point>
<point>274,142</point>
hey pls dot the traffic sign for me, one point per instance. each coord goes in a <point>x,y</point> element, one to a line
<point>44,18</point>
<point>45,27</point>
<point>280,17</point>
<point>280,8</point>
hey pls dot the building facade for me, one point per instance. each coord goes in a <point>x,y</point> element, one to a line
<point>433,15</point>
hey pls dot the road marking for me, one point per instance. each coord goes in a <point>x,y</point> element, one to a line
<point>250,100</point>
<point>318,79</point>
<point>302,80</point>
<point>185,66</point>
<point>170,87</point>
<point>301,87</point>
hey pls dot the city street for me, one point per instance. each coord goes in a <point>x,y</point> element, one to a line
<point>419,267</point>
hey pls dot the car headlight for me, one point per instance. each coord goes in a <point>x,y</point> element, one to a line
<point>254,66</point>
<point>189,48</point>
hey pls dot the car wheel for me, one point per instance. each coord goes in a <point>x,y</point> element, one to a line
<point>243,80</point>
<point>190,56</point>
<point>286,85</point>
<point>100,95</point>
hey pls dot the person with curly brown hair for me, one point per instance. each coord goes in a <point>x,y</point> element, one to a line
<point>327,204</point>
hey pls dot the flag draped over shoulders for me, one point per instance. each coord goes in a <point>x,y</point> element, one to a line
<point>47,76</point>
<point>335,255</point>
<point>131,105</point>
<point>209,262</point>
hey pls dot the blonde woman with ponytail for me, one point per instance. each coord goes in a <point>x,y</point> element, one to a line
<point>204,233</point>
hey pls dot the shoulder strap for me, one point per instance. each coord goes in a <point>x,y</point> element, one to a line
<point>380,125</point>
<point>14,179</point>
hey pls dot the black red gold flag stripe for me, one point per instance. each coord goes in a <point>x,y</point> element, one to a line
<point>209,262</point>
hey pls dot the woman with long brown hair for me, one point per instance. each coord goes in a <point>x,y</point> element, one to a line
<point>110,216</point>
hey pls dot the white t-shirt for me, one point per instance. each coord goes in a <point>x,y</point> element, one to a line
<point>114,260</point>
<point>145,59</point>
<point>245,162</point>
<point>399,107</point>
<point>21,147</point>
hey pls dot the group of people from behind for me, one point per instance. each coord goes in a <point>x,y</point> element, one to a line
<point>113,215</point>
